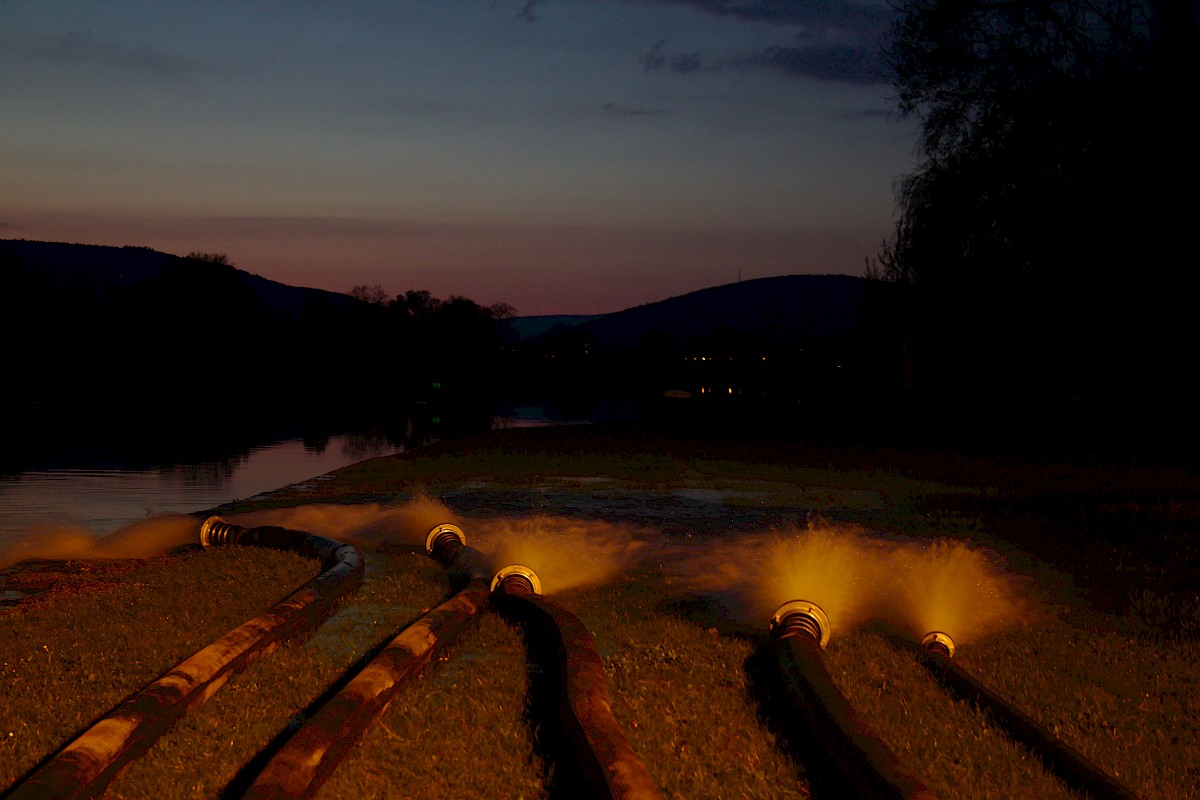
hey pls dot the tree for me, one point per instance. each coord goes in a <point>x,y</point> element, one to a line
<point>373,294</point>
<point>501,311</point>
<point>1040,230</point>
<point>212,258</point>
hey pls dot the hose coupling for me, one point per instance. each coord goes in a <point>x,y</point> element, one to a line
<point>216,531</point>
<point>444,541</point>
<point>517,579</point>
<point>801,617</point>
<point>939,643</point>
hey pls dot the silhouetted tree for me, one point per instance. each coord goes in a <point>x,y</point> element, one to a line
<point>1043,230</point>
<point>416,304</point>
<point>373,293</point>
<point>499,311</point>
<point>214,258</point>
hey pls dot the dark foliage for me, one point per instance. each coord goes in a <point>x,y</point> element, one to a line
<point>1046,234</point>
<point>801,353</point>
<point>128,345</point>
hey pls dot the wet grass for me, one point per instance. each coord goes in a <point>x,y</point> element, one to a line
<point>1119,681</point>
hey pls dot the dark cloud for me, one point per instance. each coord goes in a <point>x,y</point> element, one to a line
<point>657,59</point>
<point>839,41</point>
<point>833,63</point>
<point>84,47</point>
<point>621,110</point>
<point>526,12</point>
<point>873,17</point>
<point>824,62</point>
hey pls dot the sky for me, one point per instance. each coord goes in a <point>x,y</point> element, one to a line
<point>560,156</point>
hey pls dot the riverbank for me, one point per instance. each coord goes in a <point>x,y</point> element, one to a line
<point>1099,560</point>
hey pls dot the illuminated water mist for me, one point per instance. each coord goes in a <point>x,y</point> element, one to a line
<point>854,578</point>
<point>370,523</point>
<point>946,586</point>
<point>142,539</point>
<point>833,566</point>
<point>564,552</point>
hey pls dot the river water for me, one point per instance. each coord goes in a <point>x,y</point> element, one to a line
<point>103,500</point>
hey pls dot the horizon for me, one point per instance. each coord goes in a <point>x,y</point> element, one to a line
<point>558,156</point>
<point>517,315</point>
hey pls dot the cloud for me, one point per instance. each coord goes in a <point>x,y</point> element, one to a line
<point>84,47</point>
<point>526,12</point>
<point>833,63</point>
<point>657,59</point>
<point>824,62</point>
<point>838,41</point>
<point>620,110</point>
<point>858,16</point>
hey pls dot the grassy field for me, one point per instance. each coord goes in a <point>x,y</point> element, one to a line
<point>1074,588</point>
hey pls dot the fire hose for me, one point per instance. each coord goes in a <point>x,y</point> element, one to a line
<point>88,764</point>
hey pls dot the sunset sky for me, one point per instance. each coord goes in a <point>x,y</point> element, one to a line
<point>563,156</point>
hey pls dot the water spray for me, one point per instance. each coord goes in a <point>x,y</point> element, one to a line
<point>86,765</point>
<point>306,760</point>
<point>606,763</point>
<point>936,654</point>
<point>800,631</point>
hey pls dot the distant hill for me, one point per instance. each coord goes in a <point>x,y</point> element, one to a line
<point>82,273</point>
<point>788,310</point>
<point>525,328</point>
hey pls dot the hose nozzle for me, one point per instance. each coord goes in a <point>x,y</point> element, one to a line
<point>517,579</point>
<point>939,643</point>
<point>800,617</point>
<point>444,541</point>
<point>216,531</point>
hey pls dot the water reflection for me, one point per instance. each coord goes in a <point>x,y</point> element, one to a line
<point>101,500</point>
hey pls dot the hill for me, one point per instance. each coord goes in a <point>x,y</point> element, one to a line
<point>83,273</point>
<point>787,311</point>
<point>150,350</point>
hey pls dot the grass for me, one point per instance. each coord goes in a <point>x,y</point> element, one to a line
<point>1113,668</point>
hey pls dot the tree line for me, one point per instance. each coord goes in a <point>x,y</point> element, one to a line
<point>195,354</point>
<point>1044,241</point>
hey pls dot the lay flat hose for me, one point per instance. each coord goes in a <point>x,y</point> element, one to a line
<point>850,744</point>
<point>799,632</point>
<point>1068,763</point>
<point>309,757</point>
<point>86,765</point>
<point>605,758</point>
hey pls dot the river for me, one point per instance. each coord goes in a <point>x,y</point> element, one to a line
<point>100,501</point>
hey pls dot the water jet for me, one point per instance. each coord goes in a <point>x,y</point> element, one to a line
<point>85,766</point>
